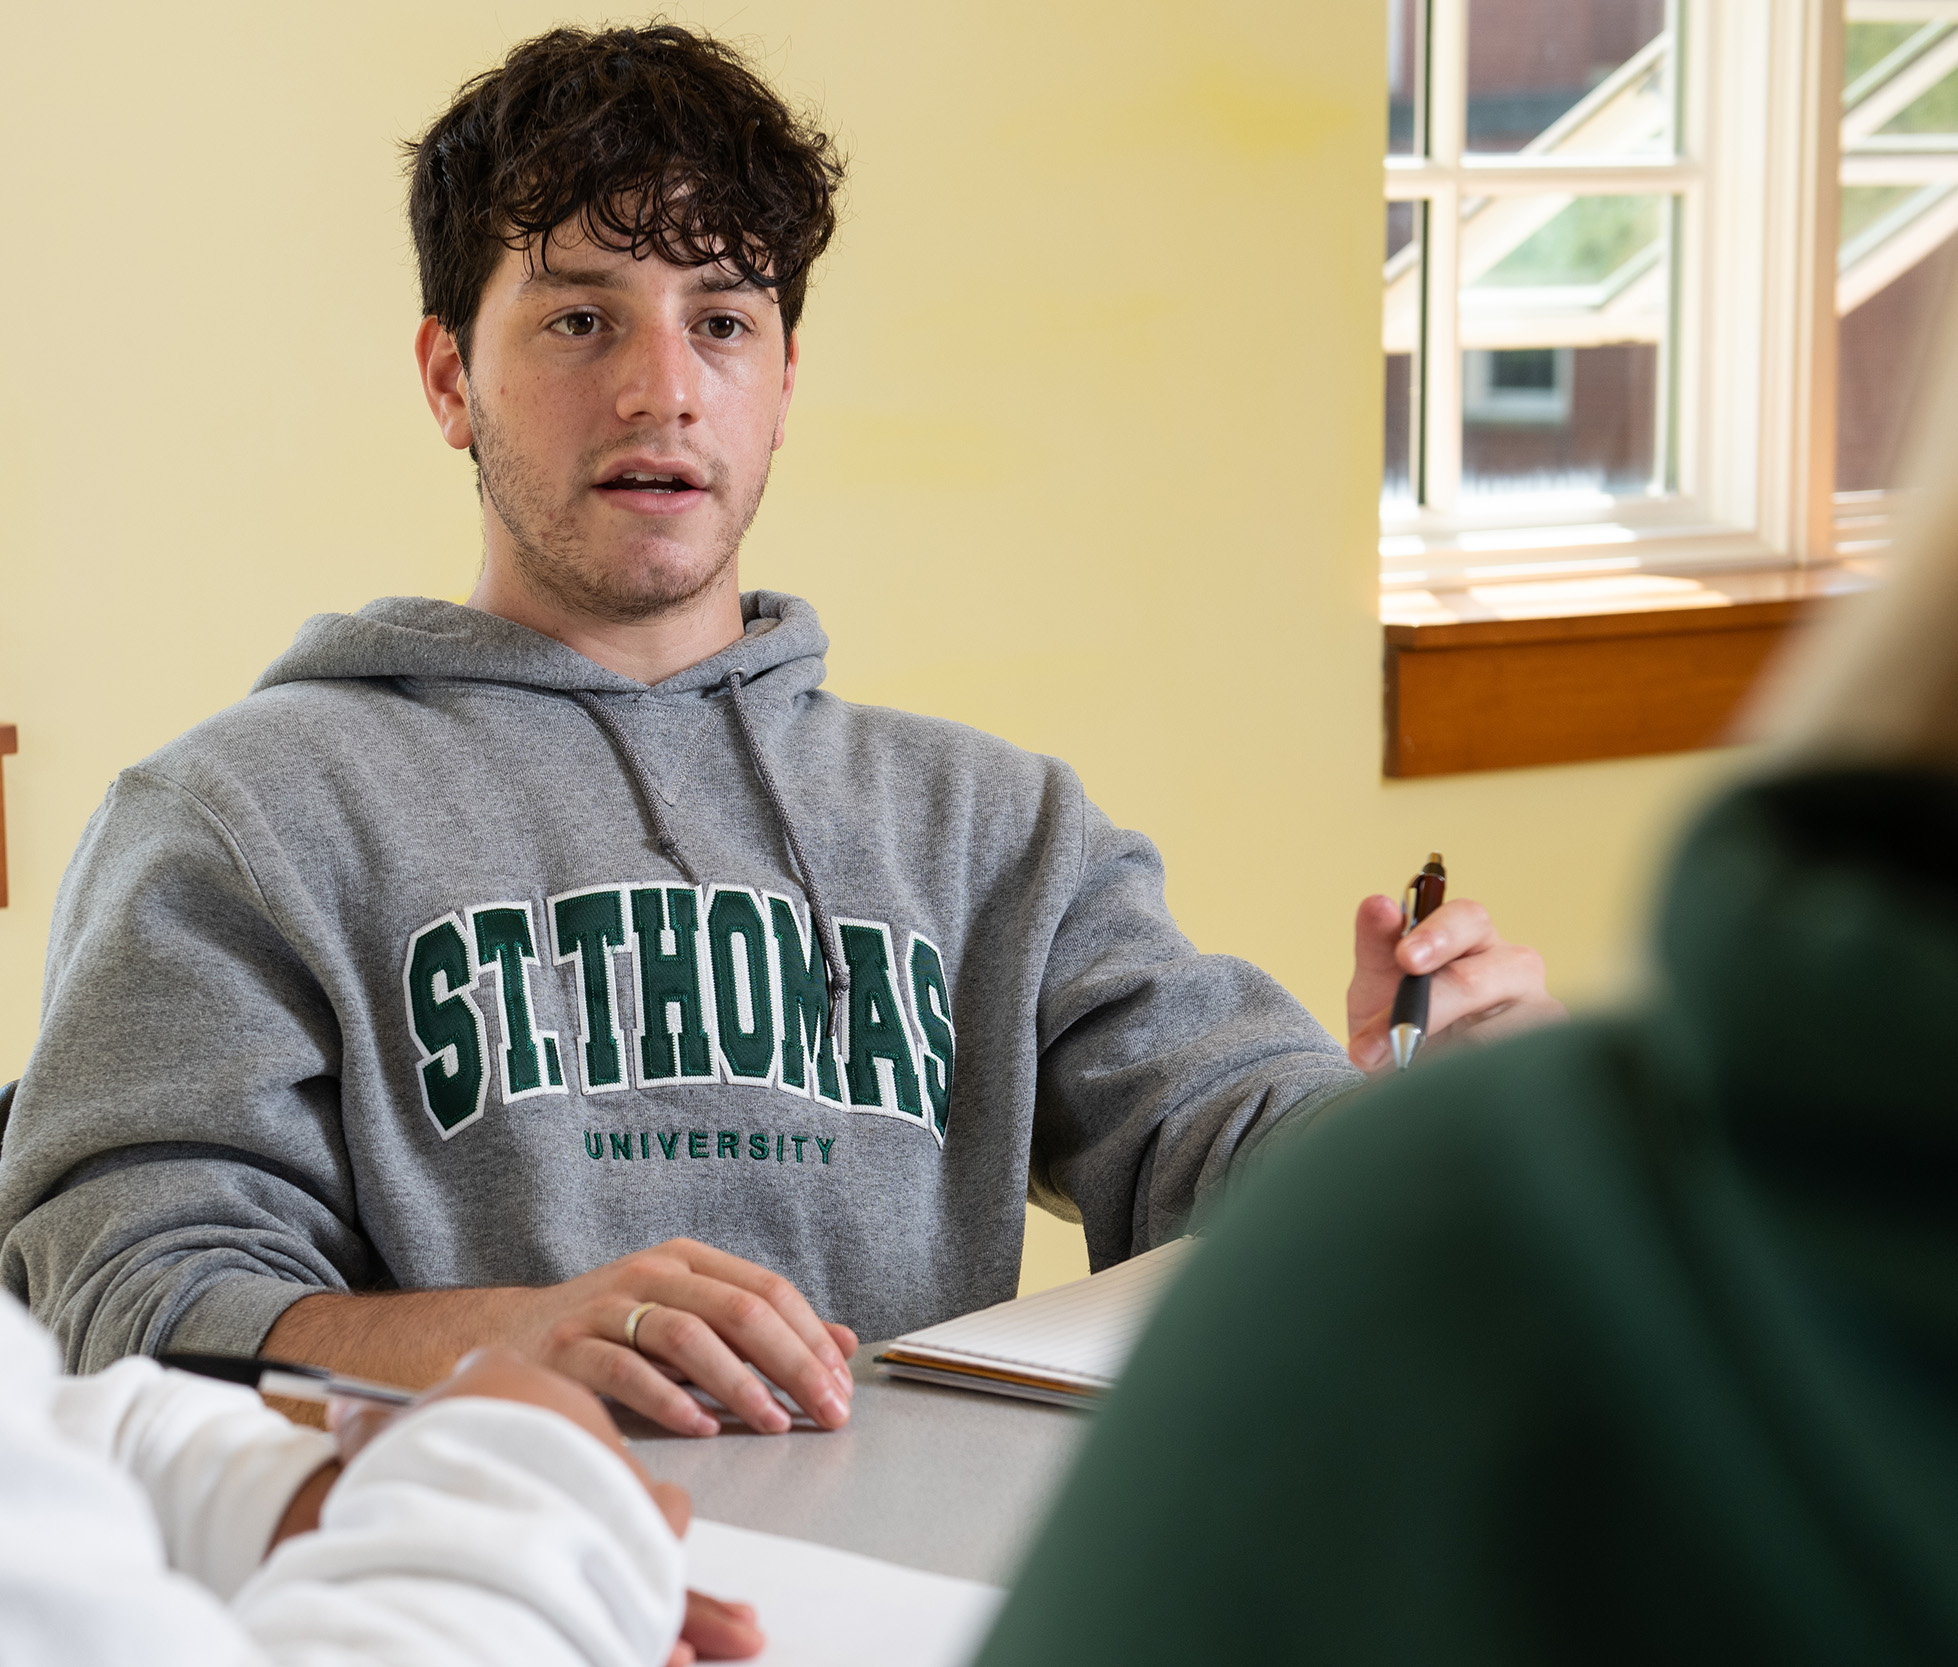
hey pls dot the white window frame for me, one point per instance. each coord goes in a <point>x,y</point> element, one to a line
<point>1747,378</point>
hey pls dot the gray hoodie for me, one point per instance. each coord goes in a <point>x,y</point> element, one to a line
<point>450,958</point>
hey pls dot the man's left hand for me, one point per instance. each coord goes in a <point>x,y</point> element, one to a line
<point>1481,987</point>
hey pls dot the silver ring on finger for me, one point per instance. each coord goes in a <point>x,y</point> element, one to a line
<point>632,1324</point>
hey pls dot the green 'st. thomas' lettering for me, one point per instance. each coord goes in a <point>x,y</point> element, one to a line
<point>447,1025</point>
<point>805,1006</point>
<point>933,1006</point>
<point>672,1018</point>
<point>725,984</point>
<point>745,1016</point>
<point>877,1028</point>
<point>587,929</point>
<point>504,947</point>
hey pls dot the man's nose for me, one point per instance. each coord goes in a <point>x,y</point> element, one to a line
<point>660,384</point>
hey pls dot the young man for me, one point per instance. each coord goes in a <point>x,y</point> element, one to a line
<point>485,946</point>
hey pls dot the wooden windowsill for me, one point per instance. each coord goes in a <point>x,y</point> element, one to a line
<point>1508,676</point>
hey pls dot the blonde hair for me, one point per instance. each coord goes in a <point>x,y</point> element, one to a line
<point>1880,684</point>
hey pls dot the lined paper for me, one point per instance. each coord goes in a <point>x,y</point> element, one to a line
<point>1076,1336</point>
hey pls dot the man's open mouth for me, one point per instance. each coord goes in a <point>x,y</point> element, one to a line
<point>631,480</point>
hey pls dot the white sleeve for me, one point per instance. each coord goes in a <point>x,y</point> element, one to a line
<point>218,1464</point>
<point>83,1582</point>
<point>481,1532</point>
<point>471,1531</point>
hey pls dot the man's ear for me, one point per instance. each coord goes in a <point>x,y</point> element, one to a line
<point>790,360</point>
<point>445,383</point>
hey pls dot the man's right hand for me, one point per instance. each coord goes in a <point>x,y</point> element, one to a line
<point>714,1320</point>
<point>712,1315</point>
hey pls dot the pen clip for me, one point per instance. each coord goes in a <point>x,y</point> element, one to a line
<point>1427,887</point>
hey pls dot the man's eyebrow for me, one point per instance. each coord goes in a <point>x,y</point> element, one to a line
<point>574,277</point>
<point>709,279</point>
<point>720,281</point>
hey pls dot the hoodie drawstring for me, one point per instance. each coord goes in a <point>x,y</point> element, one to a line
<point>837,977</point>
<point>819,916</point>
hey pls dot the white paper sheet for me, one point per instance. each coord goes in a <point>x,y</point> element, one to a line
<point>826,1608</point>
<point>1079,1335</point>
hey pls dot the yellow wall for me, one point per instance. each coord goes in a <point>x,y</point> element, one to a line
<point>1085,450</point>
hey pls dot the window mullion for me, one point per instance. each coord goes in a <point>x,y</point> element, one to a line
<point>1441,359</point>
<point>1666,452</point>
<point>1823,246</point>
<point>1814,66</point>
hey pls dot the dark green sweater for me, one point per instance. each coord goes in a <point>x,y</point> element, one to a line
<point>1629,1341</point>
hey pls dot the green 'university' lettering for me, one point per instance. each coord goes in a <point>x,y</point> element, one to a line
<point>748,1048</point>
<point>503,941</point>
<point>932,1007</point>
<point>585,929</point>
<point>805,1005</point>
<point>616,1145</point>
<point>669,979</point>
<point>447,1026</point>
<point>877,1023</point>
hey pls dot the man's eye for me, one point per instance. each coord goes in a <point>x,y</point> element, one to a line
<point>576,324</point>
<point>723,328</point>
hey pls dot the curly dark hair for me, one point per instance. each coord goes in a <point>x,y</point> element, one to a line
<point>654,140</point>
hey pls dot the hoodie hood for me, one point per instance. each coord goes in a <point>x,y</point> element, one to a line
<point>420,637</point>
<point>780,653</point>
<point>1822,905</point>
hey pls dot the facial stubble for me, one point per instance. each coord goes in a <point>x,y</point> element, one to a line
<point>555,559</point>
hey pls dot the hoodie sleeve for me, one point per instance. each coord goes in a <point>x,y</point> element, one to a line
<point>174,1172</point>
<point>1159,1066</point>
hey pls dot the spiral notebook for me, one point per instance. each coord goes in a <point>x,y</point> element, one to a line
<point>1066,1346</point>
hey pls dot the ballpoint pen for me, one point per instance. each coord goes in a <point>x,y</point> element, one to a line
<point>291,1379</point>
<point>1408,1023</point>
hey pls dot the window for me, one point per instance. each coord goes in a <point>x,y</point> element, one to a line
<point>1615,259</point>
<point>1897,242</point>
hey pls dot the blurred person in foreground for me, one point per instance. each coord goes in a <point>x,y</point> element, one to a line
<point>1631,1340</point>
<point>149,1516</point>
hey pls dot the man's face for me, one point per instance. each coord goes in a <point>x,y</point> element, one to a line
<point>624,412</point>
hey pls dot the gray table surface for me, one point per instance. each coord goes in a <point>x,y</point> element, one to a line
<point>948,1480</point>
